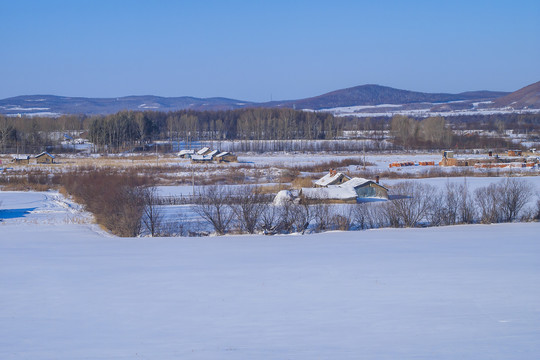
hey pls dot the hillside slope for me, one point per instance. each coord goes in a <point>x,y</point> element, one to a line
<point>527,97</point>
<point>377,94</point>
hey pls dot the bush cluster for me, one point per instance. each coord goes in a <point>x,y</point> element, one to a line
<point>117,199</point>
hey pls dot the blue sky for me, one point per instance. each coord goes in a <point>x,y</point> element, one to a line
<point>255,50</point>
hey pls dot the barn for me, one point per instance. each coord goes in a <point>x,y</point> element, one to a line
<point>44,158</point>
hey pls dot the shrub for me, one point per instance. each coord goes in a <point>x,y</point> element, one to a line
<point>115,198</point>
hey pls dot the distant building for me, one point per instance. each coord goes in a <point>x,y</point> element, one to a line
<point>349,192</point>
<point>44,158</point>
<point>226,157</point>
<point>21,159</point>
<point>186,153</point>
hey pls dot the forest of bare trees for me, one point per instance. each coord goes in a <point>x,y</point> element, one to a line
<point>131,130</point>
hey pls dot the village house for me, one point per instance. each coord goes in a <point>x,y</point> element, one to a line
<point>21,159</point>
<point>44,158</point>
<point>350,191</point>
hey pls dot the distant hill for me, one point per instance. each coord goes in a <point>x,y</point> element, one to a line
<point>50,104</point>
<point>524,98</point>
<point>364,95</point>
<point>377,95</point>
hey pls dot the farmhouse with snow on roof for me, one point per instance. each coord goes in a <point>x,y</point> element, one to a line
<point>351,190</point>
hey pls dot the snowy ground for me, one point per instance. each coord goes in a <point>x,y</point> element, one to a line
<point>70,292</point>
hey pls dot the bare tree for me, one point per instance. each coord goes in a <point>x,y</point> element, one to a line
<point>249,204</point>
<point>413,204</point>
<point>489,200</point>
<point>302,216</point>
<point>466,208</point>
<point>286,217</point>
<point>152,217</point>
<point>322,214</point>
<point>213,205</point>
<point>343,219</point>
<point>270,217</point>
<point>503,201</point>
<point>515,194</point>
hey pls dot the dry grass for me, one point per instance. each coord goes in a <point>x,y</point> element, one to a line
<point>301,182</point>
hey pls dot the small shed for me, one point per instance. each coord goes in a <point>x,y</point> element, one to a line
<point>514,153</point>
<point>226,157</point>
<point>21,159</point>
<point>186,153</point>
<point>44,158</point>
<point>332,178</point>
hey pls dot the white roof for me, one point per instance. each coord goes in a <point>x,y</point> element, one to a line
<point>356,182</point>
<point>222,154</point>
<point>332,192</point>
<point>329,179</point>
<point>43,153</point>
<point>186,152</point>
<point>22,157</point>
<point>213,153</point>
<point>203,150</point>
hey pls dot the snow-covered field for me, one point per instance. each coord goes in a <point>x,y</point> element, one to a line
<point>68,291</point>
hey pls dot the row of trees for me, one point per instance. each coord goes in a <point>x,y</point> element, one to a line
<point>430,132</point>
<point>248,210</point>
<point>128,129</point>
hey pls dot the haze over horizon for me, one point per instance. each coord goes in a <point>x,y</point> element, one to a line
<point>261,51</point>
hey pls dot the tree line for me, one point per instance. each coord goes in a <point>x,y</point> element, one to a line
<point>132,130</point>
<point>248,210</point>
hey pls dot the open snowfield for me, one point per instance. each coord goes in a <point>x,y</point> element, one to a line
<point>68,291</point>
